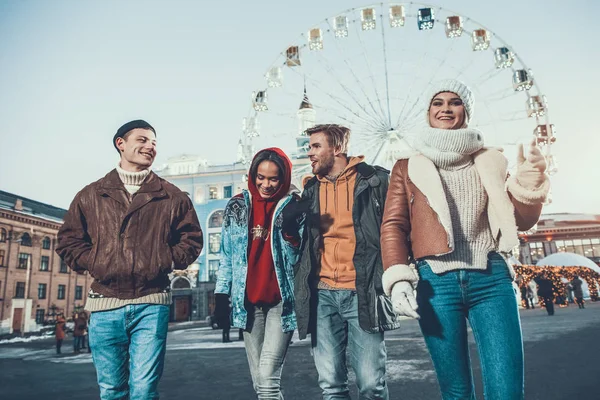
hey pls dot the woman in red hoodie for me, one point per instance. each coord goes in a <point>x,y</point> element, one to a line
<point>261,240</point>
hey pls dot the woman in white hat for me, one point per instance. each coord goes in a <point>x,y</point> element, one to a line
<point>452,211</point>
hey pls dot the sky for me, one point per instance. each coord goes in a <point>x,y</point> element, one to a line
<point>73,71</point>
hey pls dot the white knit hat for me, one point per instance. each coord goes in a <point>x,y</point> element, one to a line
<point>454,86</point>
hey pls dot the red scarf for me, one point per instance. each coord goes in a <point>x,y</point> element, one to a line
<point>261,281</point>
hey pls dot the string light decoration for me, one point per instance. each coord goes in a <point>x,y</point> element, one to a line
<point>555,275</point>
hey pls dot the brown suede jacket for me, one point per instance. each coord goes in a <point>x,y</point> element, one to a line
<point>416,220</point>
<point>130,244</point>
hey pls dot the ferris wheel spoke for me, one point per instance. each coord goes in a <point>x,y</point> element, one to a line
<point>370,71</point>
<point>336,99</point>
<point>349,65</point>
<point>332,72</point>
<point>413,82</point>
<point>385,65</point>
<point>369,148</point>
<point>486,77</point>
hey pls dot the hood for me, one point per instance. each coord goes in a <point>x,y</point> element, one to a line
<point>285,184</point>
<point>352,163</point>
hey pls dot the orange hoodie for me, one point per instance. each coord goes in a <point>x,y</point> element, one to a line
<point>336,200</point>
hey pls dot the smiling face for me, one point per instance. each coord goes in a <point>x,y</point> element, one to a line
<point>138,149</point>
<point>447,111</point>
<point>321,154</point>
<point>267,179</point>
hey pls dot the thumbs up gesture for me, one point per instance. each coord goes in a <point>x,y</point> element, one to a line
<point>530,166</point>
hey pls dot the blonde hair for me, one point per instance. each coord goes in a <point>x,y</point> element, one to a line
<point>337,135</point>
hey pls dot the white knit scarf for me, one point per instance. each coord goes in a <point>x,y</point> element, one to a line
<point>449,149</point>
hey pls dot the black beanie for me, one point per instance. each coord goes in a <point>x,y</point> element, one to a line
<point>138,123</point>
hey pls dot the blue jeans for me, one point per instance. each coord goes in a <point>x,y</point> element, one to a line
<point>77,343</point>
<point>266,346</point>
<point>487,300</point>
<point>128,348</point>
<point>337,330</point>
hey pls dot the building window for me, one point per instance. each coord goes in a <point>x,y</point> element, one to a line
<point>181,283</point>
<point>46,243</point>
<point>2,254</point>
<point>213,193</point>
<point>536,249</point>
<point>596,247</point>
<point>24,259</point>
<point>44,263</point>
<point>39,316</point>
<point>78,292</point>
<point>214,243</point>
<point>63,267</point>
<point>213,267</point>
<point>26,240</point>
<point>42,291</point>
<point>20,290</point>
<point>61,292</point>
<point>216,219</point>
<point>578,245</point>
<point>227,191</point>
<point>3,235</point>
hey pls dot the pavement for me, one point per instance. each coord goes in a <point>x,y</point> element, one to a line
<point>562,361</point>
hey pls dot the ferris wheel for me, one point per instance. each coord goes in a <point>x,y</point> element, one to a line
<point>368,68</point>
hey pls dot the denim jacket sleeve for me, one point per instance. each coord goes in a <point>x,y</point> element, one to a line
<point>224,274</point>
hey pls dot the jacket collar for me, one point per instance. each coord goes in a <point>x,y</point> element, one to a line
<point>112,186</point>
<point>112,181</point>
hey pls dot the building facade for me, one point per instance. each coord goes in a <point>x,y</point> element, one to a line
<point>210,187</point>
<point>555,233</point>
<point>35,285</point>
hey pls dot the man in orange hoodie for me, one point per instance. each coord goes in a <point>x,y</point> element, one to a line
<point>338,289</point>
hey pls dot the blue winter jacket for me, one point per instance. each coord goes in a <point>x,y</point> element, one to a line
<point>231,277</point>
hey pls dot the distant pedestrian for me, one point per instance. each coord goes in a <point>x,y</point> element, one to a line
<point>569,290</point>
<point>578,291</point>
<point>224,323</point>
<point>59,332</point>
<point>524,296</point>
<point>545,291</point>
<point>79,331</point>
<point>530,297</point>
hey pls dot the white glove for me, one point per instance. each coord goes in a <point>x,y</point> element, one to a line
<point>403,299</point>
<point>530,167</point>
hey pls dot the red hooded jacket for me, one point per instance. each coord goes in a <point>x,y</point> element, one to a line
<point>261,281</point>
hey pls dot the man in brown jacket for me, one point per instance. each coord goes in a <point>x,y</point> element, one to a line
<point>129,230</point>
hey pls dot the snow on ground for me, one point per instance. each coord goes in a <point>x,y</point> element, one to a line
<point>27,339</point>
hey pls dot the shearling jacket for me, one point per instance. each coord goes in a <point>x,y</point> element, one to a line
<point>417,223</point>
<point>130,246</point>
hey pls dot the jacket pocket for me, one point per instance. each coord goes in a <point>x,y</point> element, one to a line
<point>88,260</point>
